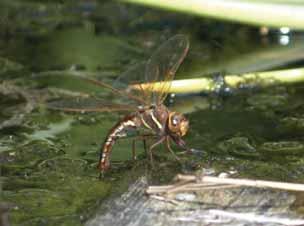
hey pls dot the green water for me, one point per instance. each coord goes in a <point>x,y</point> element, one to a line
<point>48,158</point>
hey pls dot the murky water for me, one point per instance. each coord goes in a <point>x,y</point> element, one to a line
<point>48,159</point>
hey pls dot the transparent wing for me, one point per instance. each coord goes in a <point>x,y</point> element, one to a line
<point>161,67</point>
<point>121,92</point>
<point>76,77</point>
<point>87,105</point>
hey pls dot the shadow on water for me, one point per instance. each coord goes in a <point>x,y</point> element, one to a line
<point>48,158</point>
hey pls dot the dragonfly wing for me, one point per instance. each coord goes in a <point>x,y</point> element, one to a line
<point>119,91</point>
<point>135,74</point>
<point>81,77</point>
<point>87,105</point>
<point>162,66</point>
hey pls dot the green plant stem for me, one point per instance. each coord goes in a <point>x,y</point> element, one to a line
<point>258,13</point>
<point>256,79</point>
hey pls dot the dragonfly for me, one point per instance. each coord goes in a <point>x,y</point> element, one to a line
<point>146,110</point>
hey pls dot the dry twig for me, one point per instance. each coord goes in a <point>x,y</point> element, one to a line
<point>194,183</point>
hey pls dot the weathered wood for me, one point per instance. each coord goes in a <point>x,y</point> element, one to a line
<point>234,206</point>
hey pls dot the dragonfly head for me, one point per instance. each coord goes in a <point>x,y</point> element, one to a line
<point>178,124</point>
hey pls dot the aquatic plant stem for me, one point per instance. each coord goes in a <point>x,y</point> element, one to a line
<point>261,13</point>
<point>256,79</point>
<point>267,78</point>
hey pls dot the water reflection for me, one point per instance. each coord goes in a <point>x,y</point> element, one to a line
<point>284,40</point>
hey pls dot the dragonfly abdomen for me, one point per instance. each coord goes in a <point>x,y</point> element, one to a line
<point>118,131</point>
<point>153,119</point>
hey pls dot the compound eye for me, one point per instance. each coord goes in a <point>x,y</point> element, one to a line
<point>174,121</point>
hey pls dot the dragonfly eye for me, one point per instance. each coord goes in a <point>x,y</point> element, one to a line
<point>178,124</point>
<point>174,121</point>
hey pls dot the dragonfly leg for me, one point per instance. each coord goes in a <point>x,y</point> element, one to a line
<point>170,149</point>
<point>181,143</point>
<point>145,145</point>
<point>101,175</point>
<point>101,171</point>
<point>134,157</point>
<point>161,140</point>
<point>188,150</point>
<point>144,138</point>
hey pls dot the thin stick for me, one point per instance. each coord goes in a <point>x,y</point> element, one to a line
<point>161,198</point>
<point>188,188</point>
<point>184,185</point>
<point>203,188</point>
<point>255,183</point>
<point>193,183</point>
<point>183,177</point>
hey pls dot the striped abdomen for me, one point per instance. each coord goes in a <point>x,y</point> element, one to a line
<point>154,119</point>
<point>118,131</point>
